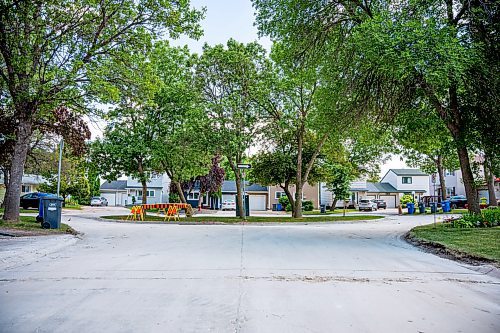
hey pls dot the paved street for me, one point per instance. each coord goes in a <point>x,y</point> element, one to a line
<point>354,277</point>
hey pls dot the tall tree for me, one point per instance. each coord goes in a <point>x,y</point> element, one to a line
<point>228,77</point>
<point>397,54</point>
<point>52,54</point>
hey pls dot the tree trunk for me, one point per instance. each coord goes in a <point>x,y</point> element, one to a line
<point>13,187</point>
<point>468,178</point>
<point>144,191</point>
<point>178,186</point>
<point>239,193</point>
<point>297,212</point>
<point>290,197</point>
<point>442,181</point>
<point>334,204</point>
<point>490,181</point>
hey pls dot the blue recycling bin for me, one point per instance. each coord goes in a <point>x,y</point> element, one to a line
<point>446,204</point>
<point>39,218</point>
<point>433,207</point>
<point>49,211</point>
<point>279,207</point>
<point>411,207</point>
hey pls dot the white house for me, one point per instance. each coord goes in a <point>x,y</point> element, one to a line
<point>29,183</point>
<point>455,185</point>
<point>126,192</point>
<point>394,184</point>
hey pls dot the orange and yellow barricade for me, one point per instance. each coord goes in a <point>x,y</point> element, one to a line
<point>170,210</point>
<point>136,213</point>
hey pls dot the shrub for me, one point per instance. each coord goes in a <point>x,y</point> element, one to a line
<point>174,198</point>
<point>406,199</point>
<point>283,200</point>
<point>307,206</point>
<point>491,217</point>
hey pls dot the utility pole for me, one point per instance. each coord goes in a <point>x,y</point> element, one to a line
<point>61,147</point>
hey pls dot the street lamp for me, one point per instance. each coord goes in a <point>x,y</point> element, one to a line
<point>61,147</point>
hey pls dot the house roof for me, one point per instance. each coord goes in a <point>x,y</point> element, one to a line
<point>229,186</point>
<point>114,185</point>
<point>381,188</point>
<point>408,172</point>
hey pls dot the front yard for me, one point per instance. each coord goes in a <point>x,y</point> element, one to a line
<point>28,226</point>
<point>476,243</point>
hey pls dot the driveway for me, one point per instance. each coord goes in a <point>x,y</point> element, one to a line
<point>356,277</point>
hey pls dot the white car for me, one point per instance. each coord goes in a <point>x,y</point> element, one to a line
<point>228,205</point>
<point>366,204</point>
<point>98,201</point>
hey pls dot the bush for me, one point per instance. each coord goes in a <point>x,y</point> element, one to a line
<point>491,217</point>
<point>174,198</point>
<point>488,218</point>
<point>288,207</point>
<point>307,206</point>
<point>283,200</point>
<point>406,199</point>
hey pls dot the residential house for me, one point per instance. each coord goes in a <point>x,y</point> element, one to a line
<point>309,192</point>
<point>257,194</point>
<point>394,184</point>
<point>126,192</point>
<point>455,185</point>
<point>29,183</point>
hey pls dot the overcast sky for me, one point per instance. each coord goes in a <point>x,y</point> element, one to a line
<point>227,19</point>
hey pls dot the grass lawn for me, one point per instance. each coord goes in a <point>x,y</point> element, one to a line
<point>478,242</point>
<point>32,210</point>
<point>29,223</point>
<point>329,212</point>
<point>76,207</point>
<point>257,219</point>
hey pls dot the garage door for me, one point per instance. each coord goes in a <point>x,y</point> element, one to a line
<point>111,197</point>
<point>390,200</point>
<point>228,197</point>
<point>257,202</point>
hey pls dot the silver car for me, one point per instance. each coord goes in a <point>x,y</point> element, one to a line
<point>98,201</point>
<point>366,204</point>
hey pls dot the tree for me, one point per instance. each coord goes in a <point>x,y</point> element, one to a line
<point>52,53</point>
<point>228,77</point>
<point>338,181</point>
<point>426,143</point>
<point>211,182</point>
<point>73,182</point>
<point>397,54</point>
<point>183,143</point>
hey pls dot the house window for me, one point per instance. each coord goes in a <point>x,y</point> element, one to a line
<point>25,188</point>
<point>450,173</point>
<point>149,193</point>
<point>193,196</point>
<point>278,195</point>
<point>407,180</point>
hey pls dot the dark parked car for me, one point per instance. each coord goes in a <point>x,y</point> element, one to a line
<point>458,201</point>
<point>381,203</point>
<point>30,200</point>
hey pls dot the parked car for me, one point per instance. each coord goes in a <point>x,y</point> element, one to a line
<point>30,200</point>
<point>365,204</point>
<point>98,201</point>
<point>458,201</point>
<point>380,203</point>
<point>228,205</point>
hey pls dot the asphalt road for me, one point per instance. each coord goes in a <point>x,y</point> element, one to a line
<point>357,277</point>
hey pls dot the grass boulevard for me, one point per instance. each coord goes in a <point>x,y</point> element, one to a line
<point>252,219</point>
